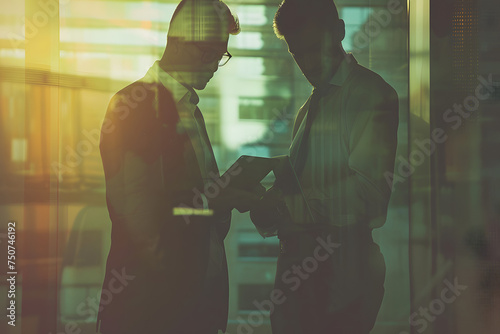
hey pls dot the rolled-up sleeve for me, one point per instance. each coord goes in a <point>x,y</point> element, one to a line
<point>362,195</point>
<point>372,148</point>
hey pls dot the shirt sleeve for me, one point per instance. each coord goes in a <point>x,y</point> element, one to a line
<point>371,141</point>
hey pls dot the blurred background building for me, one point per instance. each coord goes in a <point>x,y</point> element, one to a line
<point>61,61</point>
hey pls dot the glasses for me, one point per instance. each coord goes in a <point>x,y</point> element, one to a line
<point>210,55</point>
<point>225,58</point>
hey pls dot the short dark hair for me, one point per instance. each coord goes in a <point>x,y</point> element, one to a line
<point>203,19</point>
<point>293,14</point>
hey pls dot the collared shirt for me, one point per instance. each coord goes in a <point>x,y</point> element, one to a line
<point>186,101</point>
<point>351,146</point>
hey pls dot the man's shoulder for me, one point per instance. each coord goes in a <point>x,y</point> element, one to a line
<point>365,80</point>
<point>138,91</point>
<point>138,85</point>
<point>141,97</point>
<point>367,91</point>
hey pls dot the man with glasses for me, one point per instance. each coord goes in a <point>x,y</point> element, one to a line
<point>166,272</point>
<point>330,272</point>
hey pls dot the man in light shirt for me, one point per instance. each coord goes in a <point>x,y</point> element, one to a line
<point>344,141</point>
<point>158,161</point>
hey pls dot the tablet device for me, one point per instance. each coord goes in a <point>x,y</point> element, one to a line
<point>247,172</point>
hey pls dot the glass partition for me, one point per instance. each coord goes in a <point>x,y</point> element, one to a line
<point>62,61</point>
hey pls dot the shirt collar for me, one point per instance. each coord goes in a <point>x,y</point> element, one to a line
<point>345,68</point>
<point>172,84</point>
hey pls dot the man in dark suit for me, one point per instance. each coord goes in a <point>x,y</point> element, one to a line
<point>158,161</point>
<point>330,271</point>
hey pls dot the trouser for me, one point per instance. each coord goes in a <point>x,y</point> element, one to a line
<point>332,282</point>
<point>205,317</point>
<point>161,331</point>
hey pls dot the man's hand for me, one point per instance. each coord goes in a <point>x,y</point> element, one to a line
<point>271,199</point>
<point>269,210</point>
<point>230,198</point>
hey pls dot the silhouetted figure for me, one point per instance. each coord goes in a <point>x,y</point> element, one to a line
<point>166,272</point>
<point>344,143</point>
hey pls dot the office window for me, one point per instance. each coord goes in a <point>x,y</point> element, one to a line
<point>355,34</point>
<point>251,246</point>
<point>250,295</point>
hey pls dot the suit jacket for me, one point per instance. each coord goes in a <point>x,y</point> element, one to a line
<point>147,163</point>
